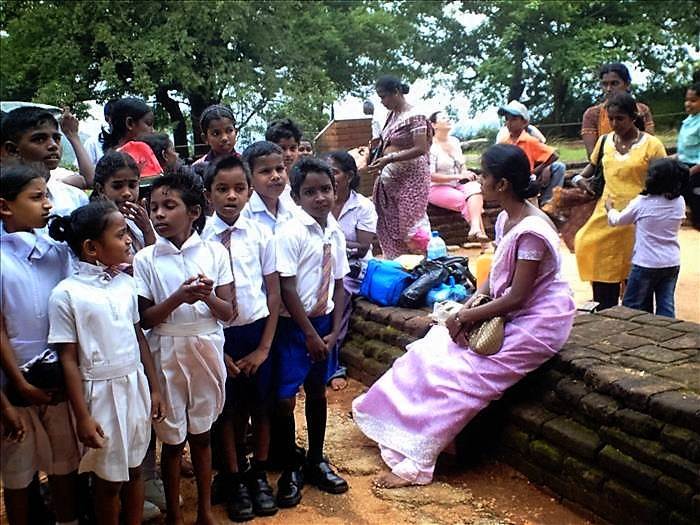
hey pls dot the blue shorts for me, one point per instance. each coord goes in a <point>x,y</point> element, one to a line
<point>243,390</point>
<point>293,365</point>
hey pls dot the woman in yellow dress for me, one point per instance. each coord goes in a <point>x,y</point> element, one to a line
<point>603,253</point>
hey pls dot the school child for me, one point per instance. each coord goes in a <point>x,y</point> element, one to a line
<point>269,176</point>
<point>164,150</point>
<point>543,159</point>
<point>32,264</point>
<point>130,117</point>
<point>287,135</point>
<point>31,134</point>
<point>107,365</point>
<point>117,179</point>
<point>306,148</point>
<point>219,132</point>
<point>184,287</point>
<point>689,150</point>
<point>311,261</point>
<point>657,214</point>
<point>248,338</point>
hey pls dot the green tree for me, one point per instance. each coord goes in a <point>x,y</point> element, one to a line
<point>546,52</point>
<point>264,58</point>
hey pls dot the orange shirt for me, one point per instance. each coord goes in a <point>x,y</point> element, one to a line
<point>536,151</point>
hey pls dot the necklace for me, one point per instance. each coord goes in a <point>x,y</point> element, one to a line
<point>624,146</point>
<point>512,221</point>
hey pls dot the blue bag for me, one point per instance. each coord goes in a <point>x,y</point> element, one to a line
<point>384,282</point>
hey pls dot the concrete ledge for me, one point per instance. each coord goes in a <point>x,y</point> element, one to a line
<point>610,424</point>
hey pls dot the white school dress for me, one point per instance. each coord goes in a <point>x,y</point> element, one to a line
<point>188,348</point>
<point>98,312</point>
<point>256,210</point>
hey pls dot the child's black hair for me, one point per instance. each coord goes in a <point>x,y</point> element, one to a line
<point>625,102</point>
<point>16,176</point>
<point>158,142</point>
<point>215,112</point>
<point>86,222</point>
<point>695,86</point>
<point>619,69</point>
<point>391,84</point>
<point>190,189</point>
<point>283,129</point>
<point>303,167</point>
<point>259,149</point>
<point>108,165</point>
<point>507,161</point>
<point>121,110</point>
<point>227,162</point>
<point>347,164</point>
<point>666,177</point>
<point>20,120</point>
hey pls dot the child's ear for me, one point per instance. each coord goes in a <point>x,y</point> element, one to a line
<point>194,212</point>
<point>89,248</point>
<point>130,124</point>
<point>5,210</point>
<point>207,195</point>
<point>250,191</point>
<point>10,148</point>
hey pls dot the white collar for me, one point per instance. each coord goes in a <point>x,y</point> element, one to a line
<point>219,226</point>
<point>28,245</point>
<point>308,221</point>
<point>257,205</point>
<point>163,246</point>
<point>350,204</point>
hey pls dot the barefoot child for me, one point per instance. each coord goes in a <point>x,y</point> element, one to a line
<point>32,264</point>
<point>117,180</point>
<point>657,214</point>
<point>311,261</point>
<point>108,368</point>
<point>248,339</point>
<point>267,167</point>
<point>219,132</point>
<point>184,286</point>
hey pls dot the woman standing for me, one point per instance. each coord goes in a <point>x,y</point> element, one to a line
<point>401,191</point>
<point>448,188</point>
<point>603,253</point>
<point>418,407</point>
<point>614,78</point>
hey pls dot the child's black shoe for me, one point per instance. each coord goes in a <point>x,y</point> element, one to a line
<point>261,493</point>
<point>289,488</point>
<point>238,503</point>
<point>322,476</point>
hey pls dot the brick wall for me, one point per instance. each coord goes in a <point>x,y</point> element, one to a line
<point>611,424</point>
<point>344,134</point>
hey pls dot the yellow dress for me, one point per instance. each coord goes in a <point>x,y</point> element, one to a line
<point>603,253</point>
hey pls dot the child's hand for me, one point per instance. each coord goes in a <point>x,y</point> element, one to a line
<point>190,291</point>
<point>12,425</point>
<point>231,367</point>
<point>138,214</point>
<point>250,363</point>
<point>34,395</point>
<point>609,204</point>
<point>69,124</point>
<point>330,341</point>
<point>206,286</point>
<point>157,407</point>
<point>90,433</point>
<point>317,348</point>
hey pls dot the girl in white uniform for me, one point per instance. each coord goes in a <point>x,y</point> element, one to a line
<point>106,361</point>
<point>184,287</point>
<point>31,265</point>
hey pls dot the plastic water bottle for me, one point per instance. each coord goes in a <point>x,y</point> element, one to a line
<point>436,247</point>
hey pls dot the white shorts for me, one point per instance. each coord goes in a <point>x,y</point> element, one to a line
<point>50,445</point>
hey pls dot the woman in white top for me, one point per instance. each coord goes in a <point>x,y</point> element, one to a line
<point>106,361</point>
<point>452,185</point>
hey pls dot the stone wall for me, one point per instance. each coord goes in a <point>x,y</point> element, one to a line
<point>611,424</point>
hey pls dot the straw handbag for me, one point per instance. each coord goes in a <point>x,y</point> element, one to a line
<point>486,337</point>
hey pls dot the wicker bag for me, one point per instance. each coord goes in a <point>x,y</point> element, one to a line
<point>486,338</point>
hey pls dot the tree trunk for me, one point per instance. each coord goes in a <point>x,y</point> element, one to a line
<point>198,103</point>
<point>176,118</point>
<point>516,80</point>
<point>560,89</point>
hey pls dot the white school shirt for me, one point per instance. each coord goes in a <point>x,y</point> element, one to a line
<point>299,252</point>
<point>137,241</point>
<point>161,268</point>
<point>31,265</point>
<point>257,211</point>
<point>93,147</point>
<point>98,312</point>
<point>358,213</point>
<point>657,221</point>
<point>64,198</point>
<point>253,256</point>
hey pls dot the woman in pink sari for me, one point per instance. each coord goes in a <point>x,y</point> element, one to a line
<point>420,405</point>
<point>402,188</point>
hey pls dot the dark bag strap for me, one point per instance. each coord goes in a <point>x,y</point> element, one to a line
<point>598,178</point>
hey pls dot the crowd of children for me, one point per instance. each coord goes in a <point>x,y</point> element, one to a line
<point>194,304</point>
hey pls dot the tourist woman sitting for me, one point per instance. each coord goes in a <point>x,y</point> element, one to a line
<point>420,405</point>
<point>614,78</point>
<point>401,190</point>
<point>452,185</point>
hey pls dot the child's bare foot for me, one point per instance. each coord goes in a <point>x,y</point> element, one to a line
<point>389,480</point>
<point>339,383</point>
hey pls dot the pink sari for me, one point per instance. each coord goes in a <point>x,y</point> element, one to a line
<point>420,405</point>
